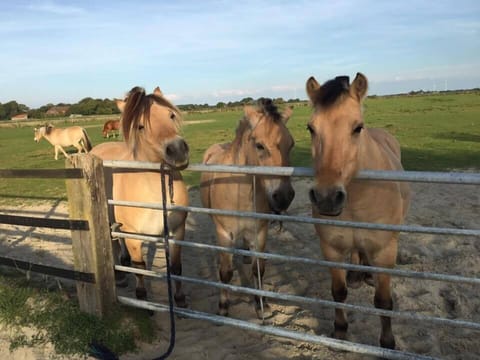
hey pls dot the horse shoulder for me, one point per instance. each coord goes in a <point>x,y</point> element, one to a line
<point>388,144</point>
<point>111,151</point>
<point>391,148</point>
<point>213,154</point>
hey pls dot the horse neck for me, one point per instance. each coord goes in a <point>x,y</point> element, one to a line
<point>145,153</point>
<point>372,155</point>
<point>48,137</point>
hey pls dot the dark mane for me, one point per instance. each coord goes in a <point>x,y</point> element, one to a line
<point>331,91</point>
<point>265,106</point>
<point>137,103</point>
<point>269,109</point>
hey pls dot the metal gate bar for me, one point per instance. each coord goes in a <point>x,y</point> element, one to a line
<point>271,330</point>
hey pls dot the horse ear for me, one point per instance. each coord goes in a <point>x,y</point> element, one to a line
<point>312,88</point>
<point>120,104</point>
<point>359,86</point>
<point>286,114</point>
<point>157,91</point>
<point>251,114</point>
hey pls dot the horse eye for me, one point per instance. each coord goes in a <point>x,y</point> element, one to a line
<point>141,127</point>
<point>259,147</point>
<point>358,129</point>
<point>172,116</point>
<point>310,129</point>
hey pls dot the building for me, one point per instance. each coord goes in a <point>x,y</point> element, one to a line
<point>23,116</point>
<point>57,111</point>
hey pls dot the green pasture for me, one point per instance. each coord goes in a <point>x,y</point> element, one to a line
<point>437,132</point>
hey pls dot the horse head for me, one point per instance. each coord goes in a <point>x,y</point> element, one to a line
<point>39,133</point>
<point>269,144</point>
<point>336,129</point>
<point>151,126</point>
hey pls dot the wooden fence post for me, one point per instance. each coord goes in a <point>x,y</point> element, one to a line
<point>92,249</point>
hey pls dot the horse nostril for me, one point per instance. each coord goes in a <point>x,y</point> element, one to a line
<point>170,150</point>
<point>185,146</point>
<point>339,197</point>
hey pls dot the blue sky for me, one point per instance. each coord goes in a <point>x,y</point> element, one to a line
<point>209,51</point>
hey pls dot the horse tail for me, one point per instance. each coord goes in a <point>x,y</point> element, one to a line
<point>105,129</point>
<point>86,140</point>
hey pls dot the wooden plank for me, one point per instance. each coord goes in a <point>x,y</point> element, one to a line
<point>48,270</point>
<point>42,173</point>
<point>92,249</point>
<point>42,222</point>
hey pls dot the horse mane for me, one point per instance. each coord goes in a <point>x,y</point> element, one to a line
<point>48,129</point>
<point>137,103</point>
<point>332,91</point>
<point>264,106</point>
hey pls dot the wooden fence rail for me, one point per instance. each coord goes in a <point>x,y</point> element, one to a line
<point>91,240</point>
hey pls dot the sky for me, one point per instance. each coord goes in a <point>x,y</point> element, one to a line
<point>208,51</point>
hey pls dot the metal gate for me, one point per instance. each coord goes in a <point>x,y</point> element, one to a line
<point>410,176</point>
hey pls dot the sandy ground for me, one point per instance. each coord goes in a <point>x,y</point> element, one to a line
<point>454,206</point>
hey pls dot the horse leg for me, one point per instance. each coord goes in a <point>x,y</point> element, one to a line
<point>339,290</point>
<point>383,300</point>
<point>63,151</point>
<point>176,265</point>
<point>135,250</point>
<point>225,269</point>
<point>383,297</point>
<point>79,147</point>
<point>262,308</point>
<point>56,152</point>
<point>354,278</point>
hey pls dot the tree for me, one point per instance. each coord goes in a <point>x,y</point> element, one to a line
<point>10,109</point>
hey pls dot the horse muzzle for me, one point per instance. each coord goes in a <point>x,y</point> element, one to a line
<point>330,201</point>
<point>281,198</point>
<point>177,154</point>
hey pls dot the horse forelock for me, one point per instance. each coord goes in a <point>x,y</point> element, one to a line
<point>332,92</point>
<point>269,109</point>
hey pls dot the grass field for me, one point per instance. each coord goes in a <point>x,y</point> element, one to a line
<point>437,132</point>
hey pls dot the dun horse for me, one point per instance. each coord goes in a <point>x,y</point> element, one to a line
<point>150,126</point>
<point>111,126</point>
<point>262,139</point>
<point>341,146</point>
<point>70,136</point>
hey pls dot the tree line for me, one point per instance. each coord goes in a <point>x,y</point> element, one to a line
<point>86,106</point>
<point>90,106</point>
<point>231,104</point>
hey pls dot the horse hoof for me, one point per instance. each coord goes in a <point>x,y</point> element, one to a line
<point>340,331</point>
<point>388,342</point>
<point>223,309</point>
<point>141,293</point>
<point>369,279</point>
<point>180,301</point>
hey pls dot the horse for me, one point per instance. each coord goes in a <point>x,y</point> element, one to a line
<point>262,139</point>
<point>111,126</point>
<point>341,146</point>
<point>71,136</point>
<point>150,127</point>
